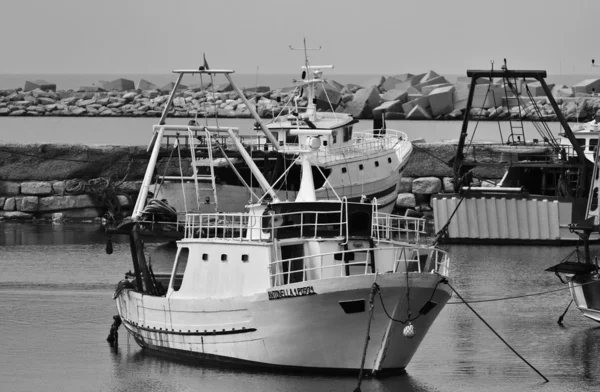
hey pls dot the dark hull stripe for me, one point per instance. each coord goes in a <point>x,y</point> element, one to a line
<point>193,333</point>
<point>379,194</point>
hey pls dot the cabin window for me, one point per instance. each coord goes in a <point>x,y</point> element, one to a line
<point>334,137</point>
<point>291,139</point>
<point>347,133</point>
<point>360,167</point>
<point>581,142</point>
<point>245,258</point>
<point>389,160</point>
<point>344,170</point>
<point>223,257</point>
<point>593,144</point>
<point>376,163</point>
<point>181,264</point>
<point>204,256</point>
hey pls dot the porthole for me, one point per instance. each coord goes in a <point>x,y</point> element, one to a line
<point>376,163</point>
<point>389,160</point>
<point>223,257</point>
<point>245,258</point>
<point>344,170</point>
<point>205,256</point>
<point>360,167</point>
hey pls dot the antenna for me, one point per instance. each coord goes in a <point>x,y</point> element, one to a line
<point>305,49</point>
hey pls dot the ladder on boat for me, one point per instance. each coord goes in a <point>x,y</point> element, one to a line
<point>196,143</point>
<point>517,132</point>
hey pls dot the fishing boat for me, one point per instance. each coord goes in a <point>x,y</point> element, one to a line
<point>308,284</point>
<point>580,270</point>
<point>586,135</point>
<point>355,165</point>
<point>541,182</point>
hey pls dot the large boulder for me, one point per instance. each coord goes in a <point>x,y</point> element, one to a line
<point>403,77</point>
<point>59,203</point>
<point>390,83</point>
<point>587,86</point>
<point>29,204</point>
<point>405,184</point>
<point>426,90</point>
<point>376,81</point>
<point>536,90</point>
<point>418,113</point>
<point>363,103</point>
<point>388,107</point>
<point>10,204</point>
<point>429,82</point>
<point>441,100</point>
<point>39,84</point>
<point>406,200</point>
<point>420,101</point>
<point>426,185</point>
<point>16,215</point>
<point>325,96</point>
<point>38,188</point>
<point>145,85</point>
<point>119,85</point>
<point>9,188</point>
<point>395,95</point>
<point>337,86</point>
<point>410,82</point>
<point>169,87</point>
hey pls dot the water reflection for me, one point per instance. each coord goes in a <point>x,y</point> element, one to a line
<point>584,349</point>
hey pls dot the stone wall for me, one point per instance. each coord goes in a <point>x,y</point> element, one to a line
<point>80,182</point>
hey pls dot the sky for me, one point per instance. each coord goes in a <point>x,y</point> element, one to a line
<point>359,37</point>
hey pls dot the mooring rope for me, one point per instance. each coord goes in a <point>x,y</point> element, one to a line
<point>495,333</point>
<point>521,296</point>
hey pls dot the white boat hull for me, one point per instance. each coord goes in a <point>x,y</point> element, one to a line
<point>586,295</point>
<point>303,332</point>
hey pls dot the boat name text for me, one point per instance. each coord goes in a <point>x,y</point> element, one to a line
<point>288,293</point>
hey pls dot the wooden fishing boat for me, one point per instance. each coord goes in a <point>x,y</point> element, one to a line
<point>307,284</point>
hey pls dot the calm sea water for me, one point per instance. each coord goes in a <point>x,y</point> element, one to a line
<point>138,131</point>
<point>56,286</point>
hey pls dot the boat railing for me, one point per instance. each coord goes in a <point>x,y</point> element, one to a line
<point>295,224</point>
<point>226,226</point>
<point>362,261</point>
<point>397,228</point>
<point>246,227</point>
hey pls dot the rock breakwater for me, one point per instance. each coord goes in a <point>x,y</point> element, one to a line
<point>407,96</point>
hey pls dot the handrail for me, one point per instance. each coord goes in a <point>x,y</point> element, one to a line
<point>437,257</point>
<point>220,225</point>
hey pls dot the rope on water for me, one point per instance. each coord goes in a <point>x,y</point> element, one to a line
<point>492,329</point>
<point>520,296</point>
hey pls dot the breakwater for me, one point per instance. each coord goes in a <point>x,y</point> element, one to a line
<point>78,182</point>
<point>423,96</point>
